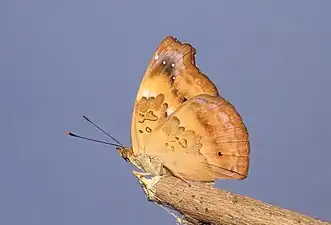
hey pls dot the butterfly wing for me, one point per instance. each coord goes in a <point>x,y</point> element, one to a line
<point>171,79</point>
<point>205,140</point>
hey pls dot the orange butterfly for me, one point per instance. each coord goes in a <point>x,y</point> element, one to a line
<point>180,124</point>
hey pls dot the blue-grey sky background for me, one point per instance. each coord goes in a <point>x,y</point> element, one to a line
<point>63,59</point>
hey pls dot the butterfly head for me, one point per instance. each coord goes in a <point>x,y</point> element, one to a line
<point>129,156</point>
<point>125,152</point>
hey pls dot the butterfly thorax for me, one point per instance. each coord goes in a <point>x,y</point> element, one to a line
<point>142,161</point>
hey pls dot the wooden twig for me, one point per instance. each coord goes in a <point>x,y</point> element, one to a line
<point>203,204</point>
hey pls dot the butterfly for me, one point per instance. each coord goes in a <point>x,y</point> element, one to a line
<point>181,126</point>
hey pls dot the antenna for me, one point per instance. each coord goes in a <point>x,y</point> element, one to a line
<point>99,128</point>
<point>91,139</point>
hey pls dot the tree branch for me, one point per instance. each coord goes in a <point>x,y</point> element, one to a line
<point>203,204</point>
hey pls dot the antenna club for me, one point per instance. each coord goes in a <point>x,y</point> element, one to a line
<point>68,133</point>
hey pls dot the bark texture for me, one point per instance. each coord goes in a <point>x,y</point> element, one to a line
<point>204,204</point>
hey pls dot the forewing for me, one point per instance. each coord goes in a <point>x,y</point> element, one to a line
<point>170,80</point>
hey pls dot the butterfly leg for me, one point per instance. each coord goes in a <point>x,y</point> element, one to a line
<point>174,174</point>
<point>140,174</point>
<point>147,184</point>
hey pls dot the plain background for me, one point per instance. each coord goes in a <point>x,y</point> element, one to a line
<point>63,59</point>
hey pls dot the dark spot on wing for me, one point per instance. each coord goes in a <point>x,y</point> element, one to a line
<point>183,99</point>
